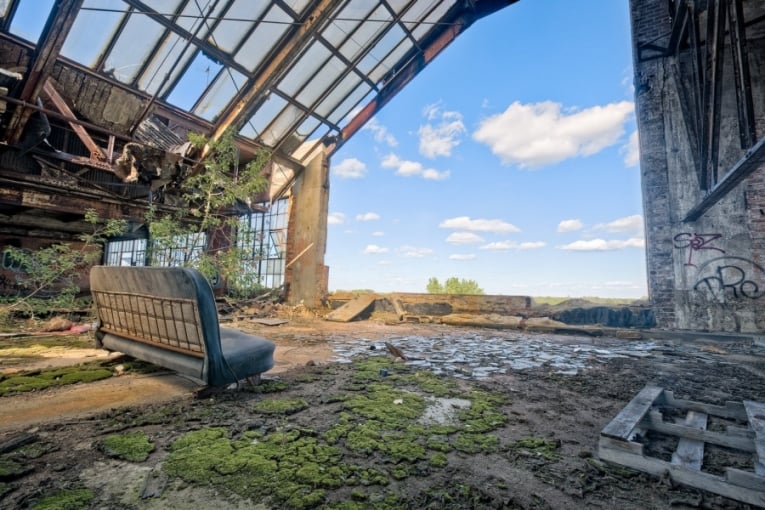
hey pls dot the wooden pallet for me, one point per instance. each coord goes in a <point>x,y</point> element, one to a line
<point>617,442</point>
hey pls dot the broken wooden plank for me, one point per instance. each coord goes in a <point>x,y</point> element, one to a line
<point>755,412</point>
<point>684,475</point>
<point>269,322</point>
<point>623,426</point>
<point>731,409</point>
<point>656,423</point>
<point>63,108</point>
<point>352,308</point>
<point>690,452</point>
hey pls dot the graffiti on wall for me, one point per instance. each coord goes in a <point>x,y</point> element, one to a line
<point>723,277</point>
<point>734,276</point>
<point>696,242</point>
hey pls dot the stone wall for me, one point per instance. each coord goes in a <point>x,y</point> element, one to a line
<point>704,275</point>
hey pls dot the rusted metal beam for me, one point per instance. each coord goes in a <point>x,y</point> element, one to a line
<point>752,160</point>
<point>418,61</point>
<point>52,39</point>
<point>96,152</point>
<point>256,88</point>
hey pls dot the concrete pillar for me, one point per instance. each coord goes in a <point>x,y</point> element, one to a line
<point>306,274</point>
<point>707,274</point>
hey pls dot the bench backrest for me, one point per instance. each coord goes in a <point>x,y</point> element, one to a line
<point>168,307</point>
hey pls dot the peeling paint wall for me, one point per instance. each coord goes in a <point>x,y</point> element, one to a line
<point>708,274</point>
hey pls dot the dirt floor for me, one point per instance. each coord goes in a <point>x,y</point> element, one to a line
<point>337,430</point>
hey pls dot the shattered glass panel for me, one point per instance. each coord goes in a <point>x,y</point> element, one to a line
<point>29,19</point>
<point>384,46</point>
<point>289,116</point>
<point>264,38</point>
<point>321,82</point>
<point>190,17</point>
<point>167,59</point>
<point>307,128</point>
<point>357,108</point>
<point>194,81</point>
<point>136,41</point>
<point>432,18</point>
<point>304,69</point>
<point>92,31</point>
<point>239,19</point>
<point>349,102</point>
<point>365,33</point>
<point>228,83</point>
<point>391,60</point>
<point>265,114</point>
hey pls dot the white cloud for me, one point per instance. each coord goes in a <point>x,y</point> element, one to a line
<point>464,238</point>
<point>604,245</point>
<point>350,168</point>
<point>631,150</point>
<point>380,132</point>
<point>374,249</point>
<point>538,134</point>
<point>632,223</point>
<point>513,245</point>
<point>335,218</point>
<point>435,175</point>
<point>478,225</point>
<point>462,256</point>
<point>369,216</point>
<point>410,168</point>
<point>414,252</point>
<point>378,234</point>
<point>439,139</point>
<point>570,225</point>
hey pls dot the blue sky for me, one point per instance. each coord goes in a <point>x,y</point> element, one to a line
<point>510,160</point>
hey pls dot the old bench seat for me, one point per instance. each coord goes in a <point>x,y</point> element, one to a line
<point>167,316</point>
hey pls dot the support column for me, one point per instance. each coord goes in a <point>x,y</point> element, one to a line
<point>306,274</point>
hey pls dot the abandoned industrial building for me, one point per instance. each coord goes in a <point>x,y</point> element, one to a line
<point>147,136</point>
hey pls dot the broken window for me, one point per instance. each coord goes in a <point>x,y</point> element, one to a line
<point>179,251</point>
<point>262,236</point>
<point>127,252</point>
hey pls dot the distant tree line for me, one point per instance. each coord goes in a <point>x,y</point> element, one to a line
<point>453,285</point>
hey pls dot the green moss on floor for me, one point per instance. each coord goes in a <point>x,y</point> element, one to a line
<point>538,447</point>
<point>11,469</point>
<point>42,379</point>
<point>132,446</point>
<point>74,499</point>
<point>293,467</point>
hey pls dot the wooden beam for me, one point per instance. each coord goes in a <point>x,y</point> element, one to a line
<point>60,104</point>
<point>752,160</point>
<point>52,39</point>
<point>257,87</point>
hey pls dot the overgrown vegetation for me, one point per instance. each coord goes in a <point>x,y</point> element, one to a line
<point>382,417</point>
<point>453,285</point>
<point>48,277</point>
<point>213,200</point>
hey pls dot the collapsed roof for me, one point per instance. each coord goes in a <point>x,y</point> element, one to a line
<point>291,76</point>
